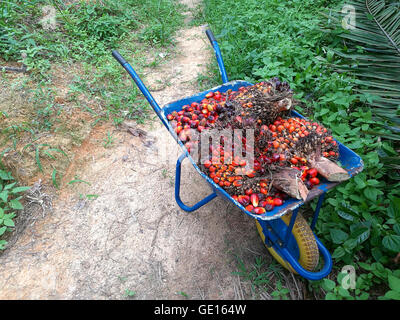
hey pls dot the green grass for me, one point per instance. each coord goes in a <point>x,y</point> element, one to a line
<point>73,41</point>
<point>359,220</point>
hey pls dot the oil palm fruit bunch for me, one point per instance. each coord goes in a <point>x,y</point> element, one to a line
<point>291,153</point>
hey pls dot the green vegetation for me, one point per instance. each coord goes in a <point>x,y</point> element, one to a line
<point>10,196</point>
<point>359,221</point>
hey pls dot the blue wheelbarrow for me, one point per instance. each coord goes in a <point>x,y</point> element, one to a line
<point>286,234</point>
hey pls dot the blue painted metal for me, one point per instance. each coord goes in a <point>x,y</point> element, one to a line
<point>178,186</point>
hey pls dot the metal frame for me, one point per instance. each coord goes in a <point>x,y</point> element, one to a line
<point>278,241</point>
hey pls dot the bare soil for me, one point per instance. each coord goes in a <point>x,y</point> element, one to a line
<point>125,231</point>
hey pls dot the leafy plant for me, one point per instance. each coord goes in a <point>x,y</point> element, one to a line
<point>280,292</point>
<point>10,196</point>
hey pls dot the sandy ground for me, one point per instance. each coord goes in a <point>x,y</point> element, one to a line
<point>124,231</point>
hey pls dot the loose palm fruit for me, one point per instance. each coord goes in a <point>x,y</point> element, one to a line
<point>259,210</point>
<point>312,172</point>
<point>244,200</point>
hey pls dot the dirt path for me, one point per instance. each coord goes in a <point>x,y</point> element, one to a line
<point>124,231</point>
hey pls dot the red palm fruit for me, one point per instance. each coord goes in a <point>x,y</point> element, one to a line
<point>312,172</point>
<point>183,136</point>
<point>332,153</point>
<point>264,190</point>
<point>248,191</point>
<point>259,210</point>
<point>244,200</point>
<point>200,128</point>
<point>221,183</point>
<point>212,169</point>
<point>237,183</point>
<point>207,163</point>
<point>209,95</point>
<point>250,173</point>
<point>249,207</point>
<point>170,117</point>
<point>314,181</point>
<point>263,203</point>
<point>217,96</point>
<point>294,161</point>
<point>235,197</point>
<point>254,199</point>
<point>227,184</point>
<point>275,144</point>
<point>282,157</point>
<point>278,202</point>
<point>194,104</point>
<point>216,179</point>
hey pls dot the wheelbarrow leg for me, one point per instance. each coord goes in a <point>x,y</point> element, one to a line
<point>317,209</point>
<point>178,186</point>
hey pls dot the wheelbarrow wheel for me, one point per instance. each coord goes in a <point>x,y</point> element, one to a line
<point>305,245</point>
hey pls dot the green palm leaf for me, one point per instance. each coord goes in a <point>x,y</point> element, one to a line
<point>372,55</point>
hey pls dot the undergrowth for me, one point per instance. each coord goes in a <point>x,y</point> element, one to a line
<point>359,221</point>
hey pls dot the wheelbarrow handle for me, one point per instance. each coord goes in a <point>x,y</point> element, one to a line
<point>218,55</point>
<point>140,85</point>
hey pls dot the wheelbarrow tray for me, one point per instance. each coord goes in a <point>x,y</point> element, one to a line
<point>349,160</point>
